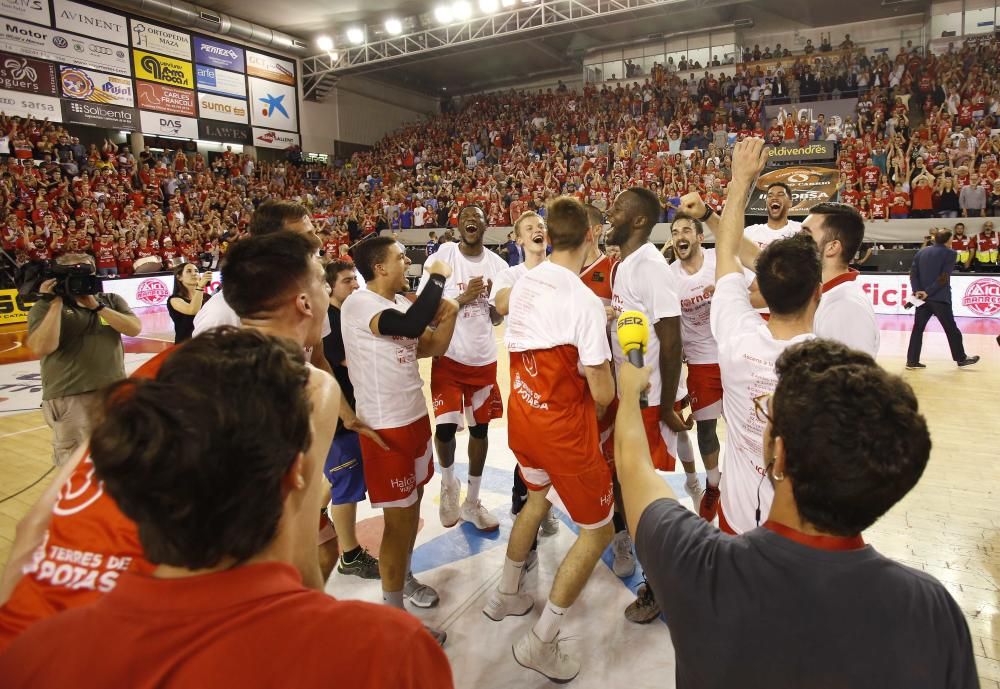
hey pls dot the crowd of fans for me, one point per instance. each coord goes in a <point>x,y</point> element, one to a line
<point>923,142</point>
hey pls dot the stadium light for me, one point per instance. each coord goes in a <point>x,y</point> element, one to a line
<point>489,6</point>
<point>393,26</point>
<point>325,43</point>
<point>356,35</point>
<point>443,14</point>
<point>462,10</point>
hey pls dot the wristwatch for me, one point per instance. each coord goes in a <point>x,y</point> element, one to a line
<point>708,214</point>
<point>99,308</point>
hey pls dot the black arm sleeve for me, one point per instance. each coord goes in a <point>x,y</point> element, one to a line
<point>418,317</point>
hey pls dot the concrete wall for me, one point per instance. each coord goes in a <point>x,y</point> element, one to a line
<point>877,35</point>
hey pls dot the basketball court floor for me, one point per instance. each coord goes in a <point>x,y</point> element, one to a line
<point>949,525</point>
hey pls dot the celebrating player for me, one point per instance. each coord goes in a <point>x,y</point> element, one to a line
<point>464,380</point>
<point>557,326</point>
<point>384,335</point>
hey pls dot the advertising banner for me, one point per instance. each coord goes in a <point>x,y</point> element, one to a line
<point>810,185</point>
<point>815,150</point>
<point>90,21</point>
<point>160,124</point>
<point>32,41</point>
<point>13,307</point>
<point>159,39</point>
<point>17,104</point>
<point>100,115</point>
<point>163,70</point>
<point>227,132</point>
<point>29,10</point>
<point>267,67</point>
<point>273,105</point>
<point>971,296</point>
<point>84,84</point>
<point>165,99</point>
<point>222,108</point>
<point>151,290</point>
<point>269,138</point>
<point>218,54</point>
<point>31,76</point>
<point>215,80</point>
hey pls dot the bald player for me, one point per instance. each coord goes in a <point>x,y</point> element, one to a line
<point>464,380</point>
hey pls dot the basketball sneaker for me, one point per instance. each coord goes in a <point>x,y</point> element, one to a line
<point>709,503</point>
<point>547,659</point>
<point>550,525</point>
<point>644,609</point>
<point>695,492</point>
<point>449,510</point>
<point>439,635</point>
<point>500,605</point>
<point>420,595</point>
<point>624,563</point>
<point>364,566</point>
<point>476,514</point>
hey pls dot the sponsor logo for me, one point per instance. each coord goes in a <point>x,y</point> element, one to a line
<point>79,492</point>
<point>223,131</point>
<point>894,295</point>
<point>983,297</point>
<point>162,69</point>
<point>218,54</point>
<point>270,68</point>
<point>152,291</point>
<point>59,42</point>
<point>94,22</point>
<point>405,484</point>
<point>161,40</point>
<point>76,83</point>
<point>165,99</point>
<point>28,32</point>
<point>272,103</point>
<point>222,108</point>
<point>163,72</point>
<point>221,52</point>
<point>23,74</point>
<point>527,395</point>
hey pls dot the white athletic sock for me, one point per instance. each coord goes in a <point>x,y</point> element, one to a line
<point>692,479</point>
<point>393,598</point>
<point>714,477</point>
<point>685,450</point>
<point>473,493</point>
<point>547,627</point>
<point>511,576</point>
<point>448,474</point>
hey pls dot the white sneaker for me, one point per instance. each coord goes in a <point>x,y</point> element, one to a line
<point>476,514</point>
<point>449,510</point>
<point>550,525</point>
<point>419,594</point>
<point>500,605</point>
<point>696,493</point>
<point>624,564</point>
<point>545,658</point>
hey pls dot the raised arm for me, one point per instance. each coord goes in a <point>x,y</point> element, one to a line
<point>749,158</point>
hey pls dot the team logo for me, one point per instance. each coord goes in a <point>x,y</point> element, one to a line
<point>983,297</point>
<point>530,367</point>
<point>77,84</point>
<point>79,493</point>
<point>59,42</point>
<point>152,291</point>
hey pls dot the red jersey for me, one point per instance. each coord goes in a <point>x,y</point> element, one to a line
<point>219,630</point>
<point>597,278</point>
<point>870,175</point>
<point>88,545</point>
<point>880,208</point>
<point>105,254</point>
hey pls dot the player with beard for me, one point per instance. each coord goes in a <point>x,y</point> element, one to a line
<point>778,226</point>
<point>643,282</point>
<point>464,380</point>
<point>384,335</point>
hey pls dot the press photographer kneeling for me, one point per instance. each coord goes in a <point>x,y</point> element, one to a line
<point>77,331</point>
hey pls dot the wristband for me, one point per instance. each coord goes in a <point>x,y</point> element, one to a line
<point>707,215</point>
<point>100,307</point>
<point>438,280</point>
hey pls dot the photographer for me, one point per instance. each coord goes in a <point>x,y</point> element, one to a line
<point>78,337</point>
<point>187,299</point>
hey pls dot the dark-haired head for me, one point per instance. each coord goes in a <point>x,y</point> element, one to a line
<point>261,274</point>
<point>854,440</point>
<point>634,210</point>
<point>199,458</point>
<point>371,253</point>
<point>280,216</point>
<point>836,222</point>
<point>789,274</point>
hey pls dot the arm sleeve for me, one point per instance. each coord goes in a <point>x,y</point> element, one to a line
<point>417,317</point>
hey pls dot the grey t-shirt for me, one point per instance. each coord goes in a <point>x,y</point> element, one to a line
<point>761,610</point>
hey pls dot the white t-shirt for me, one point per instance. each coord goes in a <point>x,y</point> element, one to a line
<point>845,314</point>
<point>747,352</point>
<point>473,343</point>
<point>549,307</point>
<point>217,312</point>
<point>383,368</point>
<point>695,293</point>
<point>505,279</point>
<point>762,235</point>
<point>644,282</point>
<point>418,216</point>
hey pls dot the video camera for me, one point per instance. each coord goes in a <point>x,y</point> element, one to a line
<point>75,279</point>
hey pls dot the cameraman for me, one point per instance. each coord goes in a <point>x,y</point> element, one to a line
<point>79,340</point>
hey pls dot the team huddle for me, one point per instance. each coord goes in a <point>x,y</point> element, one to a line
<point>728,313</point>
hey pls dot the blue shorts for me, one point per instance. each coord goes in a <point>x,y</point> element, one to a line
<point>344,470</point>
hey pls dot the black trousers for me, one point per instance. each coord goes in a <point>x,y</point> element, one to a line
<point>942,311</point>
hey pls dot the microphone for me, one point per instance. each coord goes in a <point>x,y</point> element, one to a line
<point>633,336</point>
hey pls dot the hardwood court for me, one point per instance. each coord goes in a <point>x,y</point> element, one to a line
<point>949,525</point>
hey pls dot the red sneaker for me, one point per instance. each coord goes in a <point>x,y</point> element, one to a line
<point>709,503</point>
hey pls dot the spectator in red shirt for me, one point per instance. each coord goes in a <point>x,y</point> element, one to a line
<point>104,252</point>
<point>226,605</point>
